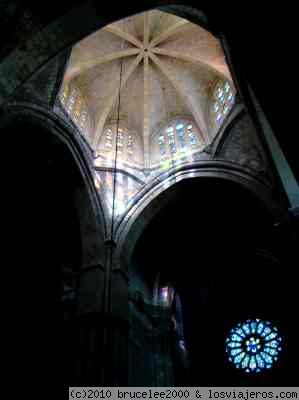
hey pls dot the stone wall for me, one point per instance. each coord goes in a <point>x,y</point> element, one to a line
<point>43,86</point>
<point>240,144</point>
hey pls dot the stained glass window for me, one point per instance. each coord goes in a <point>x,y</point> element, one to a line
<point>125,142</point>
<point>162,147</point>
<point>108,139</point>
<point>71,101</point>
<point>253,346</point>
<point>64,94</point>
<point>130,146</point>
<point>178,140</point>
<point>223,101</point>
<point>181,136</point>
<point>75,105</point>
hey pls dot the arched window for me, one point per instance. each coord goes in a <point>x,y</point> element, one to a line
<point>223,100</point>
<point>128,147</point>
<point>108,140</point>
<point>178,140</point>
<point>75,105</point>
<point>125,142</point>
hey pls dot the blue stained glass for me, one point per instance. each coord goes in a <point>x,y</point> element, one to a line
<point>246,329</point>
<point>272,352</point>
<point>273,344</point>
<point>267,357</point>
<point>252,363</point>
<point>266,332</point>
<point>260,361</point>
<point>260,328</point>
<point>181,136</point>
<point>253,346</point>
<point>234,352</point>
<point>271,336</point>
<point>245,362</point>
<point>236,338</point>
<point>253,327</point>
<point>239,358</point>
<point>234,344</point>
<point>240,332</point>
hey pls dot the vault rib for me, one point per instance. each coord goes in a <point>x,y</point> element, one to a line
<point>73,71</point>
<point>196,112</point>
<point>169,32</point>
<point>146,135</point>
<point>146,30</point>
<point>146,130</point>
<point>194,60</point>
<point>113,97</point>
<point>124,35</point>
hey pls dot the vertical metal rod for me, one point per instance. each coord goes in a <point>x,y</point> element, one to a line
<point>109,245</point>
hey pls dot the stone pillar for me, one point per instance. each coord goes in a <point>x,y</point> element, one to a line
<point>151,343</point>
<point>284,171</point>
<point>114,371</point>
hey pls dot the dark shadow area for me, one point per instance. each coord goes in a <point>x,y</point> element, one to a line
<point>218,247</point>
<point>45,241</point>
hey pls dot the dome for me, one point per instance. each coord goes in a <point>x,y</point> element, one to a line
<point>141,77</point>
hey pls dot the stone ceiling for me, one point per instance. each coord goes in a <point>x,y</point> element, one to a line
<point>165,65</point>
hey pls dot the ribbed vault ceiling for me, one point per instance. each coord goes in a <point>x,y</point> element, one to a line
<point>169,67</point>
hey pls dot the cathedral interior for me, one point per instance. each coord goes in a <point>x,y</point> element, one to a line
<point>155,195</point>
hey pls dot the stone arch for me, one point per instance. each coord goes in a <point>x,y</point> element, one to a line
<point>52,136</point>
<point>58,239</point>
<point>202,254</point>
<point>154,198</point>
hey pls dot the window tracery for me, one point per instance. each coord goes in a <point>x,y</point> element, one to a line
<point>223,100</point>
<point>125,142</point>
<point>253,345</point>
<point>75,106</point>
<point>177,141</point>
